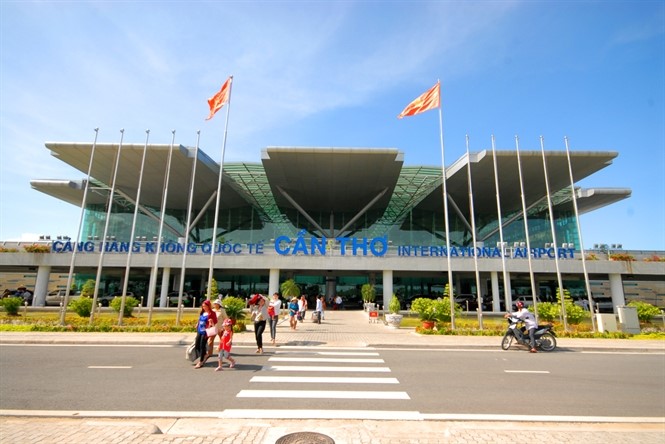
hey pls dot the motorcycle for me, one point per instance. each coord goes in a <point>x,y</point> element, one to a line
<point>545,336</point>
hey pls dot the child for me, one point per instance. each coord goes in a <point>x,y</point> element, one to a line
<point>225,345</point>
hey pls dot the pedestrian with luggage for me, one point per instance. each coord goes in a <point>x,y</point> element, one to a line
<point>207,318</point>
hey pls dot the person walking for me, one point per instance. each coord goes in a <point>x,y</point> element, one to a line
<point>302,308</point>
<point>319,310</point>
<point>293,313</point>
<point>221,317</point>
<point>259,310</point>
<point>207,318</point>
<point>274,310</point>
<point>225,342</point>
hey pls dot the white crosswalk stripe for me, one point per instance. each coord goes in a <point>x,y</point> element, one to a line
<point>308,360</point>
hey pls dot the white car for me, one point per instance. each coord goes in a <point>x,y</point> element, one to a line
<point>56,297</point>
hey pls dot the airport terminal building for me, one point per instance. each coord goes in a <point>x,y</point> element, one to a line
<point>333,219</point>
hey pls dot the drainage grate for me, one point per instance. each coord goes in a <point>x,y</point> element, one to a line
<point>305,438</point>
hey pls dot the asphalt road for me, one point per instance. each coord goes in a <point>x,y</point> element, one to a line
<point>158,378</point>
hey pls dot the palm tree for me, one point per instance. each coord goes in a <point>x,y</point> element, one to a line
<point>290,289</point>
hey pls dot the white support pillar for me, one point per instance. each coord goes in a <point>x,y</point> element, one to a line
<point>508,292</point>
<point>387,287</point>
<point>616,288</point>
<point>273,282</point>
<point>496,301</point>
<point>166,276</point>
<point>41,286</point>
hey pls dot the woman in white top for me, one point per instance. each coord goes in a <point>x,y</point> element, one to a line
<point>274,308</point>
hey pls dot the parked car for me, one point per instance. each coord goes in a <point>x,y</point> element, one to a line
<point>106,299</point>
<point>172,299</point>
<point>56,297</point>
<point>467,301</point>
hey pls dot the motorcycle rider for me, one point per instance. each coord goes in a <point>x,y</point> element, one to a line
<point>529,321</point>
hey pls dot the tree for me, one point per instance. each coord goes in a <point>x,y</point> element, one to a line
<point>368,293</point>
<point>213,292</point>
<point>88,288</point>
<point>290,289</point>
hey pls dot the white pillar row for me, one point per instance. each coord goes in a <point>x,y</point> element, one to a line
<point>387,288</point>
<point>41,286</point>
<point>166,275</point>
<point>273,282</point>
<point>496,300</point>
<point>616,288</point>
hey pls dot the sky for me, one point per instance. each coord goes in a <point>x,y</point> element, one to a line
<point>336,74</point>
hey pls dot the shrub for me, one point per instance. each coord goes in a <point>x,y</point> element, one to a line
<point>234,307</point>
<point>645,311</point>
<point>424,307</point>
<point>547,311</point>
<point>12,305</point>
<point>574,313</point>
<point>81,306</point>
<point>394,305</point>
<point>130,303</point>
<point>88,288</point>
<point>35,248</point>
<point>442,309</point>
<point>622,257</point>
<point>8,250</point>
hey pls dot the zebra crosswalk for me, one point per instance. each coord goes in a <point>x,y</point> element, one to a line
<point>347,382</point>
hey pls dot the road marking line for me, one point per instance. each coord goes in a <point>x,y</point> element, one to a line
<point>306,368</point>
<point>321,394</point>
<point>110,366</point>
<point>321,414</point>
<point>527,371</point>
<point>325,379</point>
<point>294,352</point>
<point>350,360</point>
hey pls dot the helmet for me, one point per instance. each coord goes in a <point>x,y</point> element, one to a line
<point>227,321</point>
<point>519,305</point>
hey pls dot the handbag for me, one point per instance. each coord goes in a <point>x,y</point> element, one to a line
<point>211,331</point>
<point>191,352</point>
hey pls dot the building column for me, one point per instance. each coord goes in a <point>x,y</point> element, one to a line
<point>387,287</point>
<point>166,276</point>
<point>496,301</point>
<point>273,281</point>
<point>41,286</point>
<point>616,289</point>
<point>331,287</point>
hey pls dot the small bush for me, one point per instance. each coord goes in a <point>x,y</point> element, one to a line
<point>130,303</point>
<point>81,306</point>
<point>645,311</point>
<point>575,314</point>
<point>234,307</point>
<point>12,305</point>
<point>394,305</point>
<point>34,248</point>
<point>547,311</point>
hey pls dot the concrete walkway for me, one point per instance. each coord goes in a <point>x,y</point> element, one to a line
<point>345,328</point>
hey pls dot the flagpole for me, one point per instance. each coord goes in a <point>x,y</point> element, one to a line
<point>100,265</point>
<point>507,293</point>
<point>181,288</point>
<point>479,296</point>
<point>78,233</point>
<point>526,228</point>
<point>125,282</point>
<point>451,292</point>
<point>219,190</point>
<point>152,285</point>
<point>579,234</point>
<point>555,246</point>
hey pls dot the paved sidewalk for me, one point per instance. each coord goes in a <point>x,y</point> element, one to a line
<point>340,329</point>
